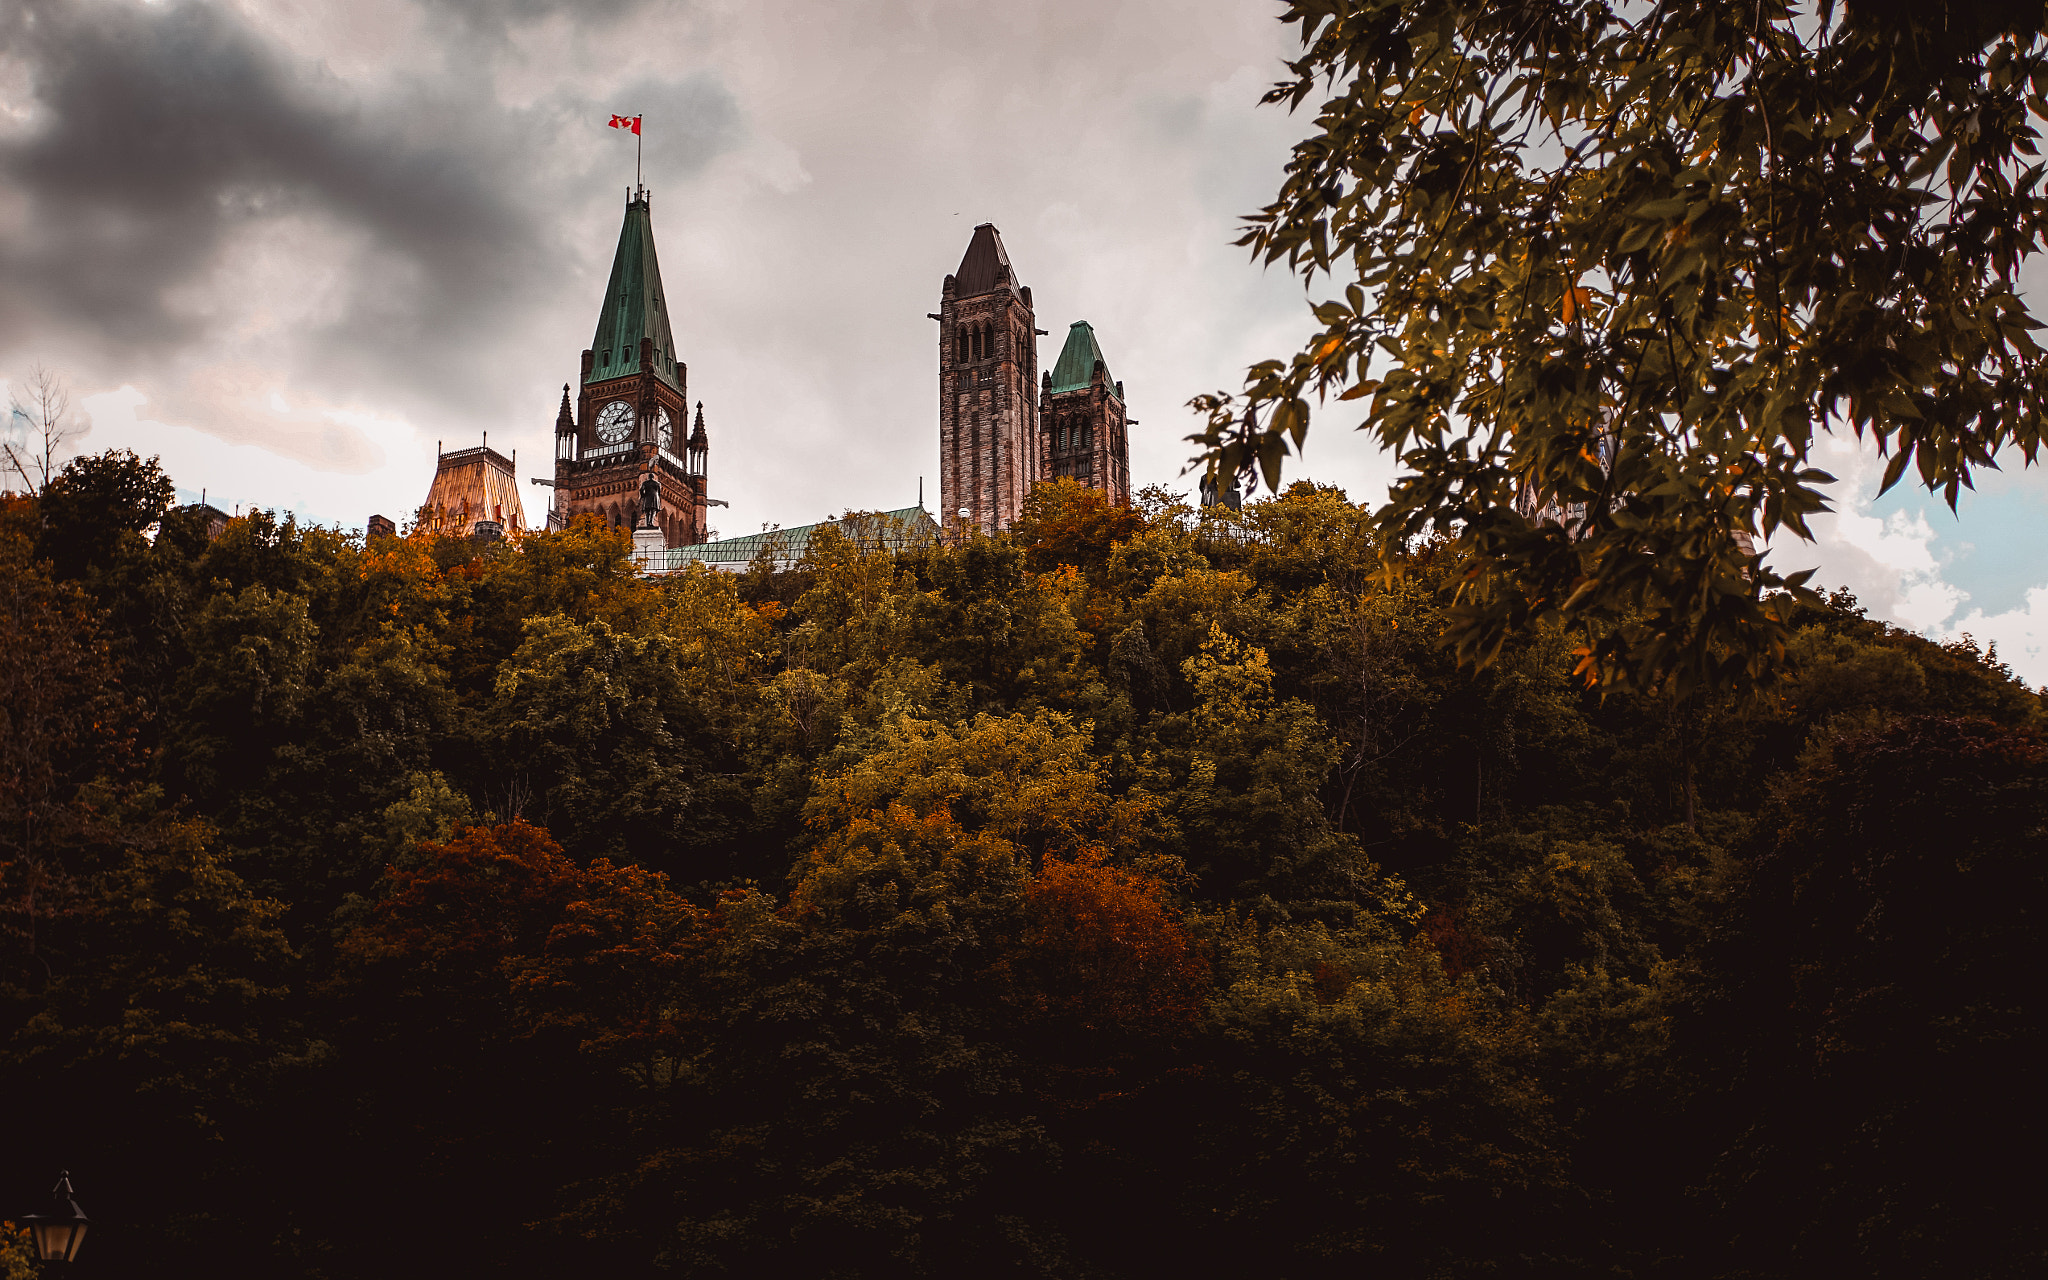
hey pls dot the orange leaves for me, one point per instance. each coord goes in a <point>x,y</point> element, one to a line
<point>487,893</point>
<point>1102,947</point>
<point>1065,522</point>
<point>1576,300</point>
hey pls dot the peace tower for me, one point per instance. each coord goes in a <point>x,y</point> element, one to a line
<point>631,412</point>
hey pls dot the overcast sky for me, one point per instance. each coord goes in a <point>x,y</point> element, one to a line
<point>290,245</point>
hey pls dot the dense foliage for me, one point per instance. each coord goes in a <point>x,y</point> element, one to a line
<point>1137,893</point>
<point>1601,271</point>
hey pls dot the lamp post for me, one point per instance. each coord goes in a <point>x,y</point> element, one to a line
<point>59,1232</point>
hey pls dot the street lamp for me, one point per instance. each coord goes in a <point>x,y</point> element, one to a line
<point>59,1232</point>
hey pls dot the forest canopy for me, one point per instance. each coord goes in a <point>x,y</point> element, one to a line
<point>1137,892</point>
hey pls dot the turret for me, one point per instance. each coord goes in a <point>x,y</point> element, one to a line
<point>1086,435</point>
<point>697,460</point>
<point>565,428</point>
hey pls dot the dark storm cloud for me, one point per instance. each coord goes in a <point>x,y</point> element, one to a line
<point>160,133</point>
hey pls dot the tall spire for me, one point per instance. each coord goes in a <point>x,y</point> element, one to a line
<point>565,421</point>
<point>1076,366</point>
<point>635,307</point>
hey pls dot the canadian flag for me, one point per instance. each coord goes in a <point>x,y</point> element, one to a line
<point>626,122</point>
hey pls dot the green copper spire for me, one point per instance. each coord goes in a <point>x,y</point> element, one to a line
<point>634,306</point>
<point>1076,367</point>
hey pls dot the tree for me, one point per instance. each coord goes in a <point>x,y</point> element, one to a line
<point>41,411</point>
<point>63,720</point>
<point>1067,522</point>
<point>595,728</point>
<point>1869,1022</point>
<point>1614,267</point>
<point>97,510</point>
<point>437,1053</point>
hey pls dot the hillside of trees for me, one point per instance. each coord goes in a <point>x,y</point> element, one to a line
<point>1138,893</point>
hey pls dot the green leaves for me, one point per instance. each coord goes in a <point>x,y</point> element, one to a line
<point>1611,270</point>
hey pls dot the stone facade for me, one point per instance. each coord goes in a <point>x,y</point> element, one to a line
<point>1003,426</point>
<point>989,448</point>
<point>1087,432</point>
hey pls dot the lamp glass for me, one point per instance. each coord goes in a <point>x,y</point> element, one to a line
<point>58,1241</point>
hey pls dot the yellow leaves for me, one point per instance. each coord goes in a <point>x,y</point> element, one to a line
<point>1576,300</point>
<point>1415,116</point>
<point>1328,347</point>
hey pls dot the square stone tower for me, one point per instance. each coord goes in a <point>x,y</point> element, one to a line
<point>1087,432</point>
<point>989,450</point>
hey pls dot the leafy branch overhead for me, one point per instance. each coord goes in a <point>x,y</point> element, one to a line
<point>1608,270</point>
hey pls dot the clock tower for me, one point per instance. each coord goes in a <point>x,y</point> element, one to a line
<point>631,418</point>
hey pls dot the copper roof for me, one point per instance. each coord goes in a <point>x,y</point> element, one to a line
<point>472,485</point>
<point>634,306</point>
<point>1078,360</point>
<point>892,531</point>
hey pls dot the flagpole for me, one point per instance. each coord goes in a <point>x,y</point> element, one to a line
<point>636,151</point>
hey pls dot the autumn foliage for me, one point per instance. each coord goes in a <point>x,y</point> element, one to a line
<point>1104,949</point>
<point>1139,892</point>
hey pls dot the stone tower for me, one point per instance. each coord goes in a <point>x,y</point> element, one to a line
<point>989,454</point>
<point>1086,436</point>
<point>632,412</point>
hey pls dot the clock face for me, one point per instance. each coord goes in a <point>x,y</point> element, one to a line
<point>667,428</point>
<point>614,422</point>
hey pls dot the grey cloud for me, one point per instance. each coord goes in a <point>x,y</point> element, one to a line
<point>498,17</point>
<point>167,131</point>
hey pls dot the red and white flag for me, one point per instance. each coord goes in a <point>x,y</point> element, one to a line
<point>626,122</point>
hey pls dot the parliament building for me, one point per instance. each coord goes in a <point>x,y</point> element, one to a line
<point>631,449</point>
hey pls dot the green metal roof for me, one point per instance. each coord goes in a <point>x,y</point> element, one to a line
<point>1076,366</point>
<point>634,306</point>
<point>895,531</point>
